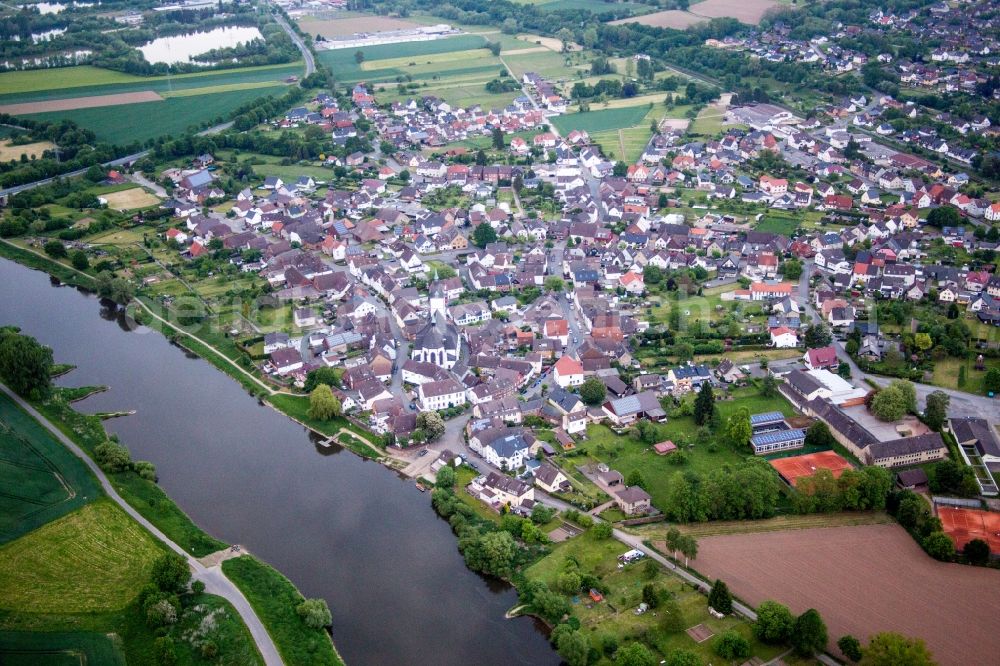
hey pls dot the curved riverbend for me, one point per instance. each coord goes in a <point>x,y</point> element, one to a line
<point>338,526</point>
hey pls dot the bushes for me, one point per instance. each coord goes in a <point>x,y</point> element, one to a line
<point>731,645</point>
<point>913,513</point>
<point>774,623</point>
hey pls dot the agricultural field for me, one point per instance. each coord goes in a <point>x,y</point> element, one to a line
<point>595,6</point>
<point>863,580</point>
<point>600,121</point>
<point>615,614</point>
<point>58,648</point>
<point>109,555</point>
<point>9,152</point>
<point>130,199</point>
<point>671,18</point>
<point>117,106</point>
<point>342,27</point>
<point>41,479</point>
<point>745,11</point>
<point>125,124</point>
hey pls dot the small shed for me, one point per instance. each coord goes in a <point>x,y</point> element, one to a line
<point>912,479</point>
<point>664,448</point>
<point>596,596</point>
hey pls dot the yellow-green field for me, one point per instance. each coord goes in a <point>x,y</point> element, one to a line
<point>109,555</point>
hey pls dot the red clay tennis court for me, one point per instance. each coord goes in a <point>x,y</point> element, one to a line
<point>964,525</point>
<point>795,467</point>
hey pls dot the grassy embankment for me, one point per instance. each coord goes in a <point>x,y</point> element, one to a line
<point>275,599</point>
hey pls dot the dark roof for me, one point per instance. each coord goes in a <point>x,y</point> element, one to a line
<point>546,473</point>
<point>802,382</point>
<point>633,494</point>
<point>912,477</point>
<point>908,445</point>
<point>978,432</point>
<point>507,484</point>
<point>842,423</point>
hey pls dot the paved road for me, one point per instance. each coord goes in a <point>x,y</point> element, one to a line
<point>213,577</point>
<point>306,53</point>
<point>962,404</point>
<point>121,161</point>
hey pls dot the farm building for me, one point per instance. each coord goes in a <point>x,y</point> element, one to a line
<point>779,440</point>
<point>793,468</point>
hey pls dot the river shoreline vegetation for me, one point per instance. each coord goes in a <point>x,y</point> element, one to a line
<point>181,625</point>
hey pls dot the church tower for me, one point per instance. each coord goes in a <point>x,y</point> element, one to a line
<point>438,303</point>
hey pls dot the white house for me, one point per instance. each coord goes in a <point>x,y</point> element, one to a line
<point>441,395</point>
<point>568,371</point>
<point>783,337</point>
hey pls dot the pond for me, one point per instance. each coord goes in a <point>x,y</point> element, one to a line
<point>181,48</point>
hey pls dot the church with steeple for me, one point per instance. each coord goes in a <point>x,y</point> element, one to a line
<point>438,342</point>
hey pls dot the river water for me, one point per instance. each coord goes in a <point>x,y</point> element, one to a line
<point>340,527</point>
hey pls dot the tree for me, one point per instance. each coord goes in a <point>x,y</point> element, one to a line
<point>602,530</point>
<point>739,429</point>
<point>555,284</point>
<point>944,216</point>
<point>817,335</point>
<point>572,646</point>
<point>55,249</point>
<point>704,404</point>
<point>315,613</point>
<point>446,477</point>
<point>112,456</point>
<point>323,404</point>
<point>165,653</point>
<point>939,546</point>
<point>25,365</point>
<point>774,622</point>
<point>850,647</point>
<point>634,654</point>
<point>689,547</point>
<point>769,386</point>
<point>593,391</point>
<point>682,657</point>
<point>731,645</point>
<point>672,617</point>
<point>720,599</point>
<point>819,435</point>
<point>568,582</point>
<point>936,410</point>
<point>432,424</point>
<point>923,341</point>
<point>564,35</point>
<point>497,138</point>
<point>619,170</point>
<point>977,552</point>
<point>844,369</point>
<point>79,260</point>
<point>497,550</point>
<point>160,614</point>
<point>323,375</point>
<point>809,633</point>
<point>890,649</point>
<point>483,235</point>
<point>894,401</point>
<point>359,56</point>
<point>170,572</point>
<point>791,269</point>
<point>991,382</point>
<point>635,478</point>
<point>652,274</point>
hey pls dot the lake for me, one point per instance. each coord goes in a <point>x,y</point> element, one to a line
<point>340,527</point>
<point>180,48</point>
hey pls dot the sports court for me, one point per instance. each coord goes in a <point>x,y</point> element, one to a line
<point>793,468</point>
<point>964,525</point>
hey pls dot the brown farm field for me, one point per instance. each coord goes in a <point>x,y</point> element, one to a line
<point>333,28</point>
<point>74,103</point>
<point>672,18</point>
<point>865,579</point>
<point>745,11</point>
<point>9,152</point>
<point>130,199</point>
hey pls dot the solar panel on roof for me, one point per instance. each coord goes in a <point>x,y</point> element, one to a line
<point>778,437</point>
<point>766,417</point>
<point>627,405</point>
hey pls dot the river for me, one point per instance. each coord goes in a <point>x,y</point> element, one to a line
<point>340,527</point>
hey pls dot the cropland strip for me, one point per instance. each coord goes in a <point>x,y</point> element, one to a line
<point>864,580</point>
<point>74,103</point>
<point>333,28</point>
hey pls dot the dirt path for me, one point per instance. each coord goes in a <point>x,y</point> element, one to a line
<point>218,557</point>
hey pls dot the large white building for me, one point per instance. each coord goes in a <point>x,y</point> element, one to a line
<point>441,395</point>
<point>438,342</point>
